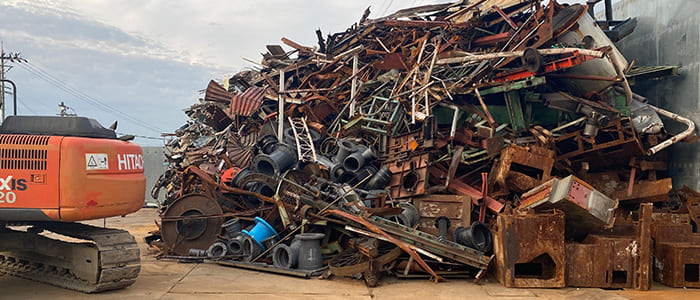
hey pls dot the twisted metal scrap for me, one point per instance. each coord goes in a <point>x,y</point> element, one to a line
<point>396,242</point>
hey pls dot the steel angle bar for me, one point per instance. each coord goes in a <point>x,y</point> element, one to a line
<point>431,243</point>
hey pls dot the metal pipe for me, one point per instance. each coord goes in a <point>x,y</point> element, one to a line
<point>587,77</point>
<point>280,112</point>
<point>663,145</point>
<point>489,118</point>
<point>14,95</point>
<point>505,17</point>
<point>554,51</point>
<point>453,128</point>
<point>353,88</point>
<point>620,69</point>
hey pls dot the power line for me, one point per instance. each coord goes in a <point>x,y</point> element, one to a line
<point>44,75</point>
<point>387,8</point>
<point>95,100</point>
<point>27,107</point>
<point>12,57</point>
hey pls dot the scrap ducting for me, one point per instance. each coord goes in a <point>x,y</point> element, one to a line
<point>429,143</point>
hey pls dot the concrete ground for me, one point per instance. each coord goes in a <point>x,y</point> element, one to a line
<point>172,280</point>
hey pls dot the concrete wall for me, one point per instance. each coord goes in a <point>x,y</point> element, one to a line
<point>153,159</point>
<point>668,33</point>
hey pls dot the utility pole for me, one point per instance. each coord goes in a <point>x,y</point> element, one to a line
<point>12,57</point>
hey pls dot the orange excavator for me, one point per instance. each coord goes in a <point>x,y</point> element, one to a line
<point>55,172</point>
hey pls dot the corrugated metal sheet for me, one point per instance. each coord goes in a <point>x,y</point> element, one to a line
<point>215,92</point>
<point>240,148</point>
<point>248,102</point>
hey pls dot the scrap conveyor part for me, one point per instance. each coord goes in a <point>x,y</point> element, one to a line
<point>101,259</point>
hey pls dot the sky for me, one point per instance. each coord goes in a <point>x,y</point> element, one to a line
<point>141,62</point>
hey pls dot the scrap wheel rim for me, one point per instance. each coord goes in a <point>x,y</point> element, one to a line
<point>182,235</point>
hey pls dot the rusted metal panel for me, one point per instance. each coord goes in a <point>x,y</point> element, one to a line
<point>621,264</point>
<point>248,102</point>
<point>410,177</point>
<point>240,149</point>
<point>602,261</point>
<point>455,207</point>
<point>530,250</point>
<point>671,228</point>
<point>692,202</point>
<point>677,250</point>
<point>391,61</point>
<point>461,188</point>
<point>521,168</point>
<point>216,93</point>
<point>644,271</point>
<point>609,184</point>
<point>587,265</point>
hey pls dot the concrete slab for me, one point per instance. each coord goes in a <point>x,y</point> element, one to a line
<point>215,279</point>
<point>171,280</point>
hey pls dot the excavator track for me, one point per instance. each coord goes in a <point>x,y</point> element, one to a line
<point>105,259</point>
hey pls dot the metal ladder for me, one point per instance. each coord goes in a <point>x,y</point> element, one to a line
<point>305,143</point>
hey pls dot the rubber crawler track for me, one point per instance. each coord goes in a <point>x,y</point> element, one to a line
<point>118,267</point>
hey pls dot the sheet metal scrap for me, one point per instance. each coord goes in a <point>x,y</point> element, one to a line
<point>408,128</point>
<point>586,208</point>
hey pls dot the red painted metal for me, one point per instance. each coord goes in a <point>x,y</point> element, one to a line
<point>248,102</point>
<point>216,93</point>
<point>557,65</point>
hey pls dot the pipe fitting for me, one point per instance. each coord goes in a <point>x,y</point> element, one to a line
<point>310,251</point>
<point>267,144</point>
<point>286,257</point>
<point>380,179</point>
<point>232,227</point>
<point>345,148</point>
<point>251,249</point>
<point>235,245</point>
<point>355,161</point>
<point>442,223</point>
<point>275,163</point>
<point>477,236</point>
<point>409,216</point>
<point>237,180</point>
<point>217,249</point>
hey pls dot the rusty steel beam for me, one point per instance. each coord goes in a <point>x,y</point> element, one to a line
<point>644,270</point>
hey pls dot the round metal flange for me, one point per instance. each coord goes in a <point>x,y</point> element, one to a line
<point>532,60</point>
<point>191,222</point>
<point>565,19</point>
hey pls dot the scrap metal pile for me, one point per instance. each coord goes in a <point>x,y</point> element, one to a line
<point>399,144</point>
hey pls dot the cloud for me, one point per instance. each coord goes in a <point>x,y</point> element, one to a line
<point>142,79</point>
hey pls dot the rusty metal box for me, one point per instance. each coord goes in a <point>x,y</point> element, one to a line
<point>677,264</point>
<point>530,250</point>
<point>601,261</point>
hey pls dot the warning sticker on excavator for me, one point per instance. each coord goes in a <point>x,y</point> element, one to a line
<point>96,161</point>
